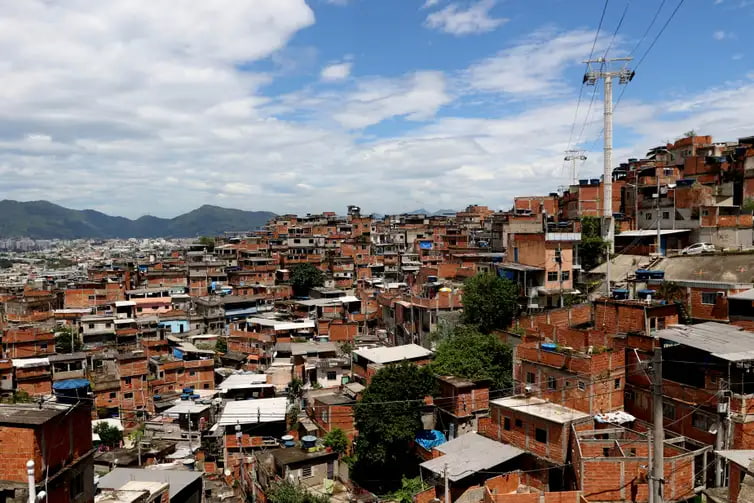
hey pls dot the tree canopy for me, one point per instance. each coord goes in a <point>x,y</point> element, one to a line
<point>337,440</point>
<point>471,354</point>
<point>67,340</point>
<point>221,345</point>
<point>387,419</point>
<point>489,301</point>
<point>285,491</point>
<point>108,435</point>
<point>304,277</point>
<point>592,247</point>
<point>207,242</point>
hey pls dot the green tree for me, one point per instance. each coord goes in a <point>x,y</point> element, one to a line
<point>304,277</point>
<point>337,440</point>
<point>207,242</point>
<point>285,491</point>
<point>387,419</point>
<point>221,346</point>
<point>489,301</point>
<point>108,435</point>
<point>409,489</point>
<point>67,340</point>
<point>471,354</point>
<point>592,247</point>
<point>670,291</point>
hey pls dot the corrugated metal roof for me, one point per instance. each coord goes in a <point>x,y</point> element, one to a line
<point>393,354</point>
<point>468,454</point>
<point>727,342</point>
<point>540,408</point>
<point>263,410</point>
<point>747,295</point>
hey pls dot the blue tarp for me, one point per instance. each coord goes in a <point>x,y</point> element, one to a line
<point>71,384</point>
<point>430,438</point>
<point>425,245</point>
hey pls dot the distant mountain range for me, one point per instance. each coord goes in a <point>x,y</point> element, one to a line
<point>44,220</point>
<point>422,211</point>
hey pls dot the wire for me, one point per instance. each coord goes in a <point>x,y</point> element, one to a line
<point>599,27</point>
<point>651,24</point>
<point>617,28</point>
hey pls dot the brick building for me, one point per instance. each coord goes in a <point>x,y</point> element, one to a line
<point>57,437</point>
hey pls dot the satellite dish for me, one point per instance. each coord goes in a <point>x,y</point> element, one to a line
<point>227,472</point>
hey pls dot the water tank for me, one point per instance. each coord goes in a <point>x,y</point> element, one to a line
<point>548,346</point>
<point>308,441</point>
<point>195,397</point>
<point>620,294</point>
<point>288,441</point>
<point>185,396</point>
<point>188,390</point>
<point>71,390</point>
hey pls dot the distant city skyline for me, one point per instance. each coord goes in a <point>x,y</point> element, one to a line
<point>137,107</point>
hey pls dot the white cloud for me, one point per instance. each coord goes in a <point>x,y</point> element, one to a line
<point>430,3</point>
<point>473,19</point>
<point>533,67</point>
<point>337,71</point>
<point>337,2</point>
<point>719,35</point>
<point>415,97</point>
<point>130,111</point>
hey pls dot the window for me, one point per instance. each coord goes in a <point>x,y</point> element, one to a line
<point>540,435</point>
<point>709,298</point>
<point>702,421</point>
<point>192,373</point>
<point>306,472</point>
<point>647,216</point>
<point>606,452</point>
<point>665,215</point>
<point>668,410</point>
<point>113,395</point>
<point>206,386</point>
<point>519,423</point>
<point>552,276</point>
<point>331,375</point>
<point>582,386</point>
<point>531,378</point>
<point>43,346</point>
<point>506,423</point>
<point>565,275</point>
<point>180,371</point>
<point>632,452</point>
<point>705,213</point>
<point>552,383</point>
<point>127,380</point>
<point>667,171</point>
<point>128,395</point>
<point>616,383</point>
<point>91,325</point>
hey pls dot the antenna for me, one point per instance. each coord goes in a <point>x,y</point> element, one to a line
<point>572,156</point>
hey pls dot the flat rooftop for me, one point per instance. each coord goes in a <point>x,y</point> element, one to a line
<point>393,354</point>
<point>294,455</point>
<point>540,408</point>
<point>30,414</point>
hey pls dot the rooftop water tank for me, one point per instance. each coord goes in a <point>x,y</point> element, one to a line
<point>308,441</point>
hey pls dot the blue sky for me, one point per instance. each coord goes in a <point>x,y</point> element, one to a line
<point>137,106</point>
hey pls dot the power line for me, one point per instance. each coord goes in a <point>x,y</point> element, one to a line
<point>651,24</point>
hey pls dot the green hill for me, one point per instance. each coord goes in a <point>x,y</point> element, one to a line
<point>44,220</point>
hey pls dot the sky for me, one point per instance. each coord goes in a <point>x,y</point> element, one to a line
<point>137,107</point>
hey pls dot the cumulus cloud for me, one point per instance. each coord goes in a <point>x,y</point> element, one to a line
<point>415,97</point>
<point>532,67</point>
<point>458,20</point>
<point>719,35</point>
<point>337,71</point>
<point>142,107</point>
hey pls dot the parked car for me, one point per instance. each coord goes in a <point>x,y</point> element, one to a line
<point>698,248</point>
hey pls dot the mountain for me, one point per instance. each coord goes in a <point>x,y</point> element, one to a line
<point>422,211</point>
<point>44,220</point>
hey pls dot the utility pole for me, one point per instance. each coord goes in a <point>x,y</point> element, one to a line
<point>650,486</point>
<point>572,156</point>
<point>658,435</point>
<point>600,69</point>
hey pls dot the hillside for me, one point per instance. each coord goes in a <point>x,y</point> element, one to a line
<point>44,220</point>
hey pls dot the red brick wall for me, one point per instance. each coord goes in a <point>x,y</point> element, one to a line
<point>713,312</point>
<point>623,317</point>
